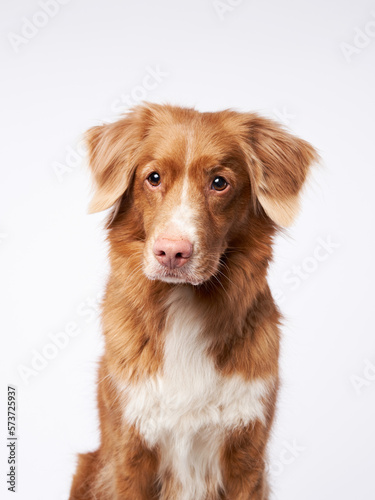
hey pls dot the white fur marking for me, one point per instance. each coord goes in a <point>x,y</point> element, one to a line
<point>184,217</point>
<point>182,223</point>
<point>189,405</point>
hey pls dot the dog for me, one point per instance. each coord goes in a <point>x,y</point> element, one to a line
<point>189,379</point>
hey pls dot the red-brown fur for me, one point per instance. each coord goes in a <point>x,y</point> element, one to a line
<point>266,167</point>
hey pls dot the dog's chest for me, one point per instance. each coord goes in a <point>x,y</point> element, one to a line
<point>187,408</point>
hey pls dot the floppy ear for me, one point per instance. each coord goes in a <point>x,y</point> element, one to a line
<point>112,153</point>
<point>280,163</point>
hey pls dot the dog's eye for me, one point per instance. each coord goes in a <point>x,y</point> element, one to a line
<point>219,184</point>
<point>154,179</point>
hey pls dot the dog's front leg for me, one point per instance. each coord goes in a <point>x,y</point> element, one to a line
<point>136,470</point>
<point>243,465</point>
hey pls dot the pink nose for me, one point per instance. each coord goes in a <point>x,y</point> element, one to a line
<point>172,253</point>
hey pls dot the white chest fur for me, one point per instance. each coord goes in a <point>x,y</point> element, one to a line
<point>189,405</point>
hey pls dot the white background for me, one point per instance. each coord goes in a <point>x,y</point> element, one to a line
<point>284,59</point>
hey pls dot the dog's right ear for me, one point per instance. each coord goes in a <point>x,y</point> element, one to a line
<point>113,155</point>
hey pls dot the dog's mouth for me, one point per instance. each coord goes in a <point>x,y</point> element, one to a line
<point>176,276</point>
<point>195,271</point>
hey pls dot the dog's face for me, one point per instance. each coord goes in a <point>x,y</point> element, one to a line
<point>188,195</point>
<point>195,180</point>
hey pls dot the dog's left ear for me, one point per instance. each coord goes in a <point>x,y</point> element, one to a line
<point>279,164</point>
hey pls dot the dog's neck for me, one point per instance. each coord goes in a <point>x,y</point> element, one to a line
<point>230,304</point>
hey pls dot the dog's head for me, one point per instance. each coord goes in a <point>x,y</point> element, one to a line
<point>194,182</point>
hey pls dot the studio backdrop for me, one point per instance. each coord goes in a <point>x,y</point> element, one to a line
<point>70,65</point>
